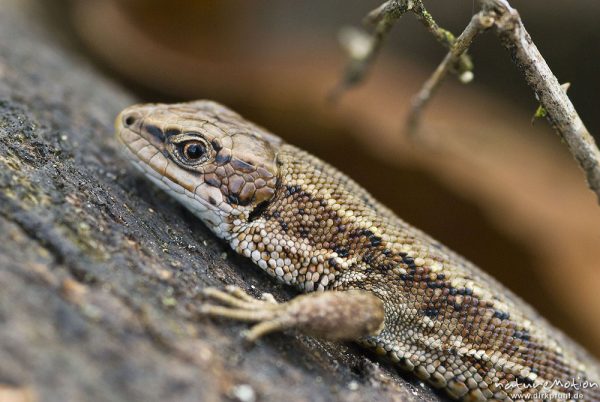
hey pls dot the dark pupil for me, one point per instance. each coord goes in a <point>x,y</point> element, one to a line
<point>194,151</point>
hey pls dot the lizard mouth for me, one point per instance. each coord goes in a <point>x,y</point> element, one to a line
<point>145,153</point>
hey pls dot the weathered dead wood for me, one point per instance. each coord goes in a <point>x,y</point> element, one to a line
<point>100,272</point>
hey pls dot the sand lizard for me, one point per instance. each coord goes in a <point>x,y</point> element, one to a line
<point>387,285</point>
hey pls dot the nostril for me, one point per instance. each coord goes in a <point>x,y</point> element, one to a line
<point>130,120</point>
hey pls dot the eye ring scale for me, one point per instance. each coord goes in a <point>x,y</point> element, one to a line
<point>189,149</point>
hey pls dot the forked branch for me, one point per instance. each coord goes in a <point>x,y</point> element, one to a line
<point>508,26</point>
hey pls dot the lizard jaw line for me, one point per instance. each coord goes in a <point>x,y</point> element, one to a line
<point>212,216</point>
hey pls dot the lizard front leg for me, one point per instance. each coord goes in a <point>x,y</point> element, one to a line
<point>335,315</point>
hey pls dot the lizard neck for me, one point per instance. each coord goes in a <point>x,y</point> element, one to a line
<point>318,225</point>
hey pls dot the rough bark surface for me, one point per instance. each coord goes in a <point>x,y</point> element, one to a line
<point>100,272</point>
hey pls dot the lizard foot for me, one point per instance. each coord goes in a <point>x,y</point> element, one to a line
<point>332,315</point>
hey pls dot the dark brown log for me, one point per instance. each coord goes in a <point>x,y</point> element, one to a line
<point>100,273</point>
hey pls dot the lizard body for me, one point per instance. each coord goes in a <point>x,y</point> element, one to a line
<point>397,290</point>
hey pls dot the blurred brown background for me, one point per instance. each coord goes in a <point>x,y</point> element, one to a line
<point>502,192</point>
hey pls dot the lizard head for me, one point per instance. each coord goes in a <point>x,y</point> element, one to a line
<point>208,157</point>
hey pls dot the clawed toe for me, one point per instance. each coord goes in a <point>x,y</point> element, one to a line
<point>240,314</point>
<point>234,297</point>
<point>269,298</point>
<point>235,303</point>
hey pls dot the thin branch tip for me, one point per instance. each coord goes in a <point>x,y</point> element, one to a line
<point>506,22</point>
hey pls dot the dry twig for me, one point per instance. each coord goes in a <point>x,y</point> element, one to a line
<point>560,111</point>
<point>362,51</point>
<point>479,22</point>
<point>507,24</point>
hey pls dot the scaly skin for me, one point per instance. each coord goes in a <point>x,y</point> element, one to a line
<point>398,291</point>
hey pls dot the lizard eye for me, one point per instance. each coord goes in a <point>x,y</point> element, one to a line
<point>193,150</point>
<point>188,149</point>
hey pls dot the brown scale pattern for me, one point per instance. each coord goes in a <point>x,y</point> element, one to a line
<point>354,243</point>
<point>308,225</point>
<point>450,311</point>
